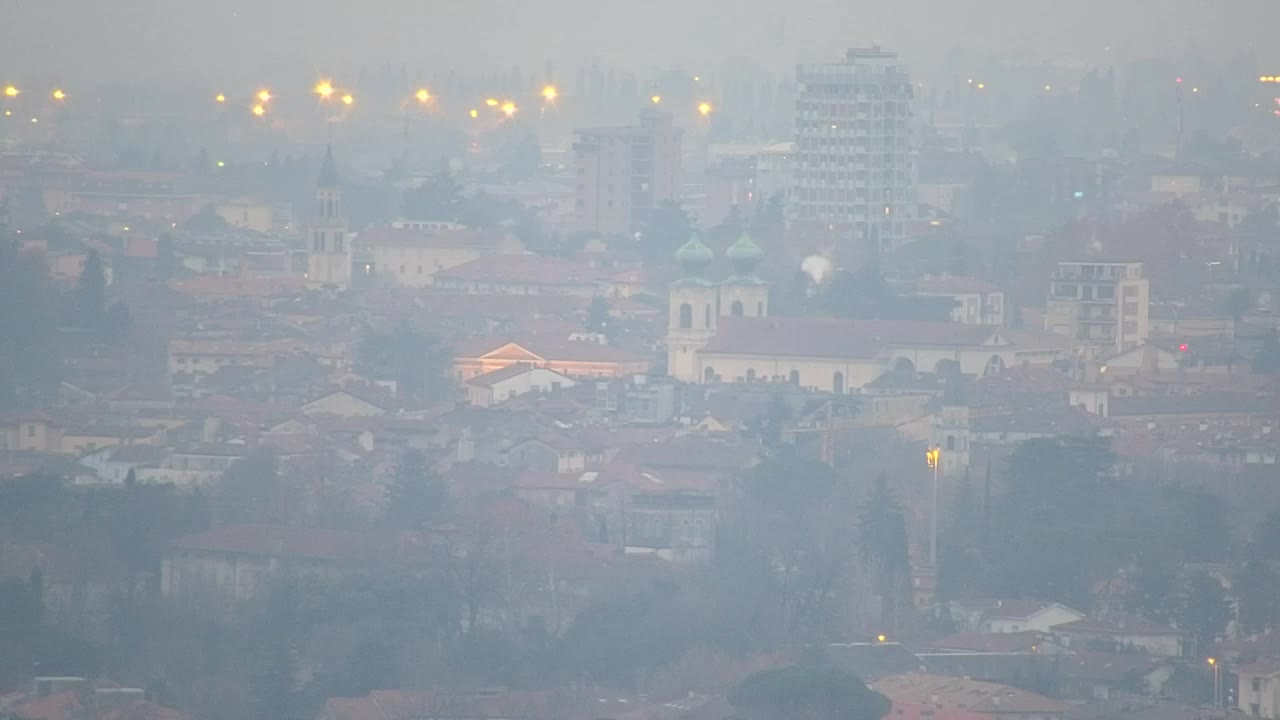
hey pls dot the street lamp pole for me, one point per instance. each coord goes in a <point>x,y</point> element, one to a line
<point>933,458</point>
<point>1217,682</point>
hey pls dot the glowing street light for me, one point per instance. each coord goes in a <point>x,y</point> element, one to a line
<point>35,120</point>
<point>549,93</point>
<point>982,86</point>
<point>422,95</point>
<point>11,91</point>
<point>324,89</point>
<point>1048,88</point>
<point>259,110</point>
<point>881,638</point>
<point>656,99</point>
<point>491,102</point>
<point>704,109</point>
<point>1217,681</point>
<point>348,99</point>
<point>509,108</point>
<point>933,458</point>
<point>220,98</point>
<point>475,113</point>
<point>59,95</point>
<point>220,164</point>
<point>264,95</point>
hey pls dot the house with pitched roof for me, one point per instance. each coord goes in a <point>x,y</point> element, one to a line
<point>574,358</point>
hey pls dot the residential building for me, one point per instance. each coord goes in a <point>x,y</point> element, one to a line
<point>975,302</point>
<point>853,164</point>
<point>575,358</point>
<point>330,256</point>
<point>1124,632</point>
<point>237,561</point>
<point>1106,304</point>
<point>623,173</point>
<point>260,217</point>
<point>1259,692</point>
<point>412,255</point>
<point>512,381</point>
<point>1010,616</point>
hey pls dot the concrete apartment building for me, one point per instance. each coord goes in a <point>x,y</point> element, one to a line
<point>1107,304</point>
<point>623,173</point>
<point>854,171</point>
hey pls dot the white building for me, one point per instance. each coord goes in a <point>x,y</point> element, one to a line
<point>1259,691</point>
<point>853,165</point>
<point>1105,303</point>
<point>512,381</point>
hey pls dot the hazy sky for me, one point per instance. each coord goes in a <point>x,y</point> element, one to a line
<point>234,39</point>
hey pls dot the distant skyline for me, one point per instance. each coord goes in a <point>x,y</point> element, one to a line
<point>237,40</point>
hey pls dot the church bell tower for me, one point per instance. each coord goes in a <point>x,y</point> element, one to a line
<point>328,244</point>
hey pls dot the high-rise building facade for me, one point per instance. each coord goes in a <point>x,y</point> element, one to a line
<point>623,173</point>
<point>854,165</point>
<point>1106,304</point>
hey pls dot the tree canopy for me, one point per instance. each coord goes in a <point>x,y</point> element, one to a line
<point>807,692</point>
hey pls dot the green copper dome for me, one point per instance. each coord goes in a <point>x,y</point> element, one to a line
<point>694,255</point>
<point>745,255</point>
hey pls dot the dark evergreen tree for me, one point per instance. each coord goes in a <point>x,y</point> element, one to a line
<point>91,292</point>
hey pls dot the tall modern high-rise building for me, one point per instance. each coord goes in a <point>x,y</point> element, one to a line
<point>623,173</point>
<point>854,162</point>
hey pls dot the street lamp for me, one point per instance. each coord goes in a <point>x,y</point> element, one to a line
<point>656,99</point>
<point>422,95</point>
<point>259,110</point>
<point>348,99</point>
<point>549,93</point>
<point>508,108</point>
<point>1217,681</point>
<point>11,91</point>
<point>324,89</point>
<point>59,95</point>
<point>264,95</point>
<point>933,458</point>
<point>704,109</point>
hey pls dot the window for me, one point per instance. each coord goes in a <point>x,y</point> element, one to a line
<point>686,316</point>
<point>337,242</point>
<point>708,375</point>
<point>31,431</point>
<point>751,374</point>
<point>706,321</point>
<point>1256,684</point>
<point>736,308</point>
<point>419,269</point>
<point>795,377</point>
<point>837,383</point>
<point>760,309</point>
<point>951,442</point>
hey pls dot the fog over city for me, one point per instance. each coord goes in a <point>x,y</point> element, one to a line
<point>910,360</point>
<point>168,42</point>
